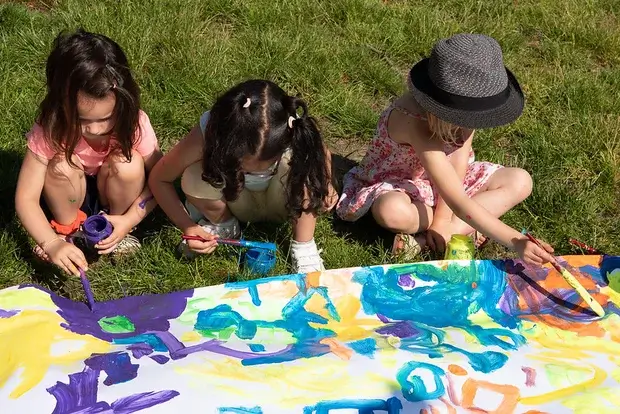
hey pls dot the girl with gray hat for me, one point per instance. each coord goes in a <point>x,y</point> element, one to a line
<point>419,177</point>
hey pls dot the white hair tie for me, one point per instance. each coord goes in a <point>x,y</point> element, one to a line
<point>290,121</point>
<point>247,103</point>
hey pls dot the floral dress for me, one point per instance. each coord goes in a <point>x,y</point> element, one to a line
<point>392,166</point>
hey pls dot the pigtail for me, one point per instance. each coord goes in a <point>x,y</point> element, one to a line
<point>308,178</point>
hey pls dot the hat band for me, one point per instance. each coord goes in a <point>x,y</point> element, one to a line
<point>468,103</point>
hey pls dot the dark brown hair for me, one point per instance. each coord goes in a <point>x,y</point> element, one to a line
<point>262,130</point>
<point>95,65</point>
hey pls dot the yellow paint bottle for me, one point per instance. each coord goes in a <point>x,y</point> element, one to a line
<point>460,248</point>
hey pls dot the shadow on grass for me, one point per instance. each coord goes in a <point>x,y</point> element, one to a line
<point>44,273</point>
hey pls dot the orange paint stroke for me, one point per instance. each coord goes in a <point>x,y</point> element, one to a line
<point>456,370</point>
<point>434,410</point>
<point>313,279</point>
<point>580,328</point>
<point>535,412</point>
<point>508,404</point>
<point>338,349</point>
<point>451,409</point>
<point>423,411</point>
<point>233,294</point>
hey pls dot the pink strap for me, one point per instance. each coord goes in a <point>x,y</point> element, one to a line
<point>409,113</point>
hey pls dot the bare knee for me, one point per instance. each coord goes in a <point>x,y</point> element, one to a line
<point>120,168</point>
<point>520,183</point>
<point>60,171</point>
<point>396,212</point>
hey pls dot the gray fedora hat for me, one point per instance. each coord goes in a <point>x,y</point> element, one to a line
<point>464,82</point>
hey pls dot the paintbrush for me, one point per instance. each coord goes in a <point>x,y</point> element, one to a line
<point>87,290</point>
<point>571,280</point>
<point>238,243</point>
<point>582,245</point>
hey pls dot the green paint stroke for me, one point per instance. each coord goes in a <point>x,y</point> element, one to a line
<point>116,324</point>
<point>563,376</point>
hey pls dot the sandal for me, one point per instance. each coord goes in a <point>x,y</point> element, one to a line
<point>406,247</point>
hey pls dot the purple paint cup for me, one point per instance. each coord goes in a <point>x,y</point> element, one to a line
<point>96,228</point>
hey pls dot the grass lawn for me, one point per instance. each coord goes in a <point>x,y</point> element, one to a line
<point>347,58</point>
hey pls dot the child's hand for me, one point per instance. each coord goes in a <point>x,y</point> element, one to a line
<point>67,256</point>
<point>532,254</point>
<point>122,226</point>
<point>198,246</point>
<point>437,235</point>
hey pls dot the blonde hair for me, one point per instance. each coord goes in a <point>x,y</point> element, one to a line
<point>448,133</point>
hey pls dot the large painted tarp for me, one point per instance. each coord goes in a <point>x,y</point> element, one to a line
<point>432,337</point>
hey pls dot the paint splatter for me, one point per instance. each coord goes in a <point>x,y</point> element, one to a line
<point>142,204</point>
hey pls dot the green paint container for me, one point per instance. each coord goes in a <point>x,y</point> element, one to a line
<point>460,248</point>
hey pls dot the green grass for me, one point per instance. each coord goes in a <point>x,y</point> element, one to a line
<point>347,58</point>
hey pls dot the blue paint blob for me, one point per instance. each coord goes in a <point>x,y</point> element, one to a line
<point>240,410</point>
<point>413,387</point>
<point>117,365</point>
<point>152,340</point>
<point>257,348</point>
<point>390,406</point>
<point>364,347</point>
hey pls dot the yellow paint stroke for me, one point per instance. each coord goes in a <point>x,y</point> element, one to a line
<point>233,294</point>
<point>302,383</point>
<point>597,379</point>
<point>26,298</point>
<point>191,336</point>
<point>572,343</point>
<point>26,341</point>
<point>595,402</point>
<point>348,328</point>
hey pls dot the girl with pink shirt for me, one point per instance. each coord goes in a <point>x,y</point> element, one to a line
<point>89,150</point>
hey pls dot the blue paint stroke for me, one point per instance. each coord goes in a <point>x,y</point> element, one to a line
<point>364,347</point>
<point>253,290</point>
<point>152,340</point>
<point>117,365</point>
<point>413,387</point>
<point>257,347</point>
<point>459,291</point>
<point>240,410</point>
<point>390,406</point>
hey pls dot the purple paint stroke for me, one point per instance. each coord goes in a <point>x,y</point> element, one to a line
<point>400,329</point>
<point>117,365</point>
<point>142,204</point>
<point>138,350</point>
<point>406,281</point>
<point>80,395</point>
<point>147,313</point>
<point>383,318</point>
<point>7,314</point>
<point>178,350</point>
<point>87,290</point>
<point>160,359</point>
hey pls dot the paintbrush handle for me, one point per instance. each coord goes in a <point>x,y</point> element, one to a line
<point>571,280</point>
<point>87,290</point>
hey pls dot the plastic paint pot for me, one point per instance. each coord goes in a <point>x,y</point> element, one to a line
<point>260,261</point>
<point>460,248</point>
<point>96,228</point>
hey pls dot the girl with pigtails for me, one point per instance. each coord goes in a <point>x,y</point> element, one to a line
<point>257,155</point>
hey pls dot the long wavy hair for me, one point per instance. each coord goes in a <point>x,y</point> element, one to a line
<point>235,130</point>
<point>94,65</point>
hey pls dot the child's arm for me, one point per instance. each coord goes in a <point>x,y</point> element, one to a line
<point>450,186</point>
<point>442,216</point>
<point>185,153</point>
<point>27,195</point>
